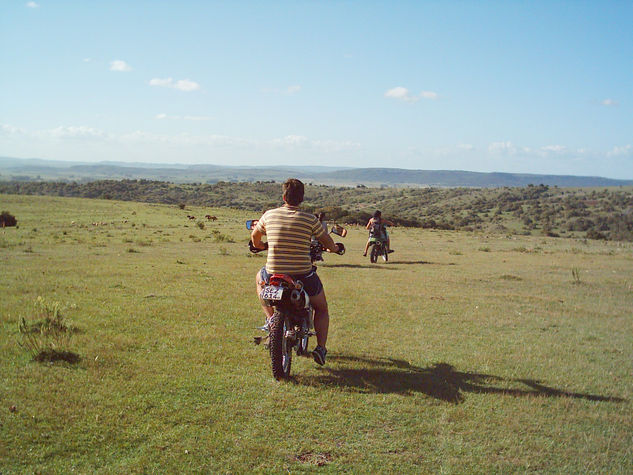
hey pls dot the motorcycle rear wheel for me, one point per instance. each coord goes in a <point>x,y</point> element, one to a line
<point>280,353</point>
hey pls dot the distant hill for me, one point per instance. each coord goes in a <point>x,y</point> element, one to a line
<point>38,169</point>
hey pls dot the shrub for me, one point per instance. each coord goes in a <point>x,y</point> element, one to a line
<point>593,234</point>
<point>7,219</point>
<point>47,336</point>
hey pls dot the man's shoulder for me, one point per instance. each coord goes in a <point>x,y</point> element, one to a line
<point>287,211</point>
<point>273,211</point>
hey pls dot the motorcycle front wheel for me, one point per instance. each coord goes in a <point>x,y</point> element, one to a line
<point>280,353</point>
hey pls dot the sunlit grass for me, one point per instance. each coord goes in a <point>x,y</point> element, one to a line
<point>446,359</point>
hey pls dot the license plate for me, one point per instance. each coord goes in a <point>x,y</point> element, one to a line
<point>272,293</point>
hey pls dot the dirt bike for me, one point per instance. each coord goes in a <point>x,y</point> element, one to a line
<point>292,322</point>
<point>378,248</point>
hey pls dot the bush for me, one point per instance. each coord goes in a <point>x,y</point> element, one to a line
<point>593,234</point>
<point>7,219</point>
<point>47,336</point>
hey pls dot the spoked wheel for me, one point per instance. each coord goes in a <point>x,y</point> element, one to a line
<point>302,343</point>
<point>280,353</point>
<point>373,256</point>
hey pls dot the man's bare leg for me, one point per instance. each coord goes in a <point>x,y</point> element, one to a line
<point>259,284</point>
<point>321,317</point>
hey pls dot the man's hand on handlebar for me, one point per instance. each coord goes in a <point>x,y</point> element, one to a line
<point>252,247</point>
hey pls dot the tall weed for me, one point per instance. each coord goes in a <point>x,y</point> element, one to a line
<point>46,336</point>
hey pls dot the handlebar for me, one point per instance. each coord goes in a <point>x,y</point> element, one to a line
<point>254,249</point>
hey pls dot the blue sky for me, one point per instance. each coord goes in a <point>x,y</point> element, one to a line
<point>532,87</point>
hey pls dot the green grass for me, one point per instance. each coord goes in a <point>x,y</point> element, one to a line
<point>447,359</point>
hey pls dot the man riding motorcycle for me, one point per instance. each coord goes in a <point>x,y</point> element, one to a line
<point>288,230</point>
<point>377,230</point>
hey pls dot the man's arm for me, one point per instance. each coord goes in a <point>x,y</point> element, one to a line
<point>327,242</point>
<point>387,222</point>
<point>256,237</point>
<point>368,224</point>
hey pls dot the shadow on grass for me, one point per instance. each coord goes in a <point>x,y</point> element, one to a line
<point>441,380</point>
<point>358,266</point>
<point>424,263</point>
<point>51,356</point>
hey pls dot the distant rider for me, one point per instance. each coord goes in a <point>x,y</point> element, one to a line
<point>377,230</point>
<point>321,217</point>
<point>288,230</point>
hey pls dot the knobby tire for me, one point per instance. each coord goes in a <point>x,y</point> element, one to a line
<point>276,343</point>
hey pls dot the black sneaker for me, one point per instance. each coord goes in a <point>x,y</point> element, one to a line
<point>319,355</point>
<point>390,251</point>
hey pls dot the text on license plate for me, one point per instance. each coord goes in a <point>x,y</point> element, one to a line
<point>272,293</point>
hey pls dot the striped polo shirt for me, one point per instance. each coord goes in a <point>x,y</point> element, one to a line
<point>289,230</point>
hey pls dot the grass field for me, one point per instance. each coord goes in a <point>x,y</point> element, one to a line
<point>467,353</point>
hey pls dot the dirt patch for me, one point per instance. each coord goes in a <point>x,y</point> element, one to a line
<point>315,458</point>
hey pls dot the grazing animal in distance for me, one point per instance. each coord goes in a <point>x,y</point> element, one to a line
<point>211,218</point>
<point>191,217</point>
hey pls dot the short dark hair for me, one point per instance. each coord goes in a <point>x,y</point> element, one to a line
<point>377,214</point>
<point>293,191</point>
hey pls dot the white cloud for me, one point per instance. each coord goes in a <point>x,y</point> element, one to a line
<point>402,94</point>
<point>502,147</point>
<point>290,140</point>
<point>465,146</point>
<point>161,82</point>
<point>6,129</point>
<point>609,103</point>
<point>161,116</point>
<point>74,132</point>
<point>32,5</point>
<point>186,85</point>
<point>85,135</point>
<point>554,148</point>
<point>622,151</point>
<point>87,60</point>
<point>182,84</point>
<point>119,65</point>
<point>293,89</point>
<point>290,90</point>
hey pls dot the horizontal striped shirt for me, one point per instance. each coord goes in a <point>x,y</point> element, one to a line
<point>289,230</point>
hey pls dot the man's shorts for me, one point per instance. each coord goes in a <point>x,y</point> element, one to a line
<point>311,282</point>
